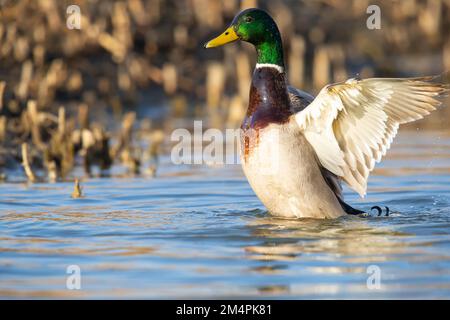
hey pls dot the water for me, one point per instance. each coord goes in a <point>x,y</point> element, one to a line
<point>200,232</point>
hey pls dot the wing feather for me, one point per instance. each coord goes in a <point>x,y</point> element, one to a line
<point>351,125</point>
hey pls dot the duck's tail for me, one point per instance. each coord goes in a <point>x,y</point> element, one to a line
<point>350,210</point>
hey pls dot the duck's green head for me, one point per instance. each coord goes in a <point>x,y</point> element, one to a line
<point>257,27</point>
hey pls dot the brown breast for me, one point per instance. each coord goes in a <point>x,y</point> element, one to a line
<point>269,103</point>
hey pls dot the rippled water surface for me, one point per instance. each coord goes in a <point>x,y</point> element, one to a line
<point>200,232</point>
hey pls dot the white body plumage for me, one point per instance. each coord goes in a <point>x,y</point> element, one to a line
<point>283,170</point>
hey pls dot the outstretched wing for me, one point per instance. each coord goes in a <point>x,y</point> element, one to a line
<point>351,125</point>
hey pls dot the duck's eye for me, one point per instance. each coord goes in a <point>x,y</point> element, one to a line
<point>248,19</point>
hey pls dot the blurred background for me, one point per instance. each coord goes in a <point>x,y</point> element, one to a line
<point>112,91</point>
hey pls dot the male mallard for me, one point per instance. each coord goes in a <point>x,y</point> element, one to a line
<point>296,149</point>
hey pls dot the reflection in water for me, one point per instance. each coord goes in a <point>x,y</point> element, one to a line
<point>201,232</point>
<point>355,243</point>
<point>347,236</point>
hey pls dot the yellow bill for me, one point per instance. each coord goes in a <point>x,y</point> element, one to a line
<point>228,36</point>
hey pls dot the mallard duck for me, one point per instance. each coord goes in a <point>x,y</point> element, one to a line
<point>296,149</point>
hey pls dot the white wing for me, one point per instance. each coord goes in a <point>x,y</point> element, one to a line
<point>351,125</point>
